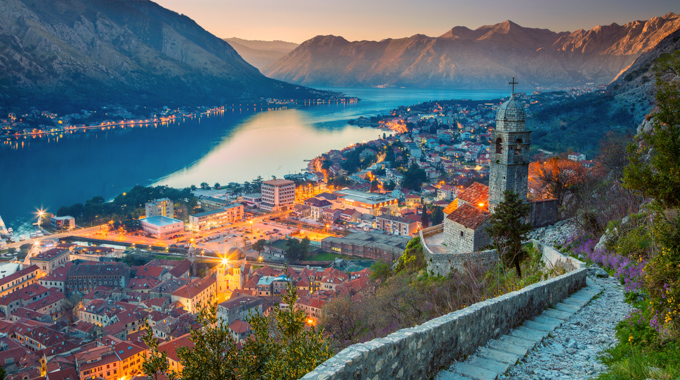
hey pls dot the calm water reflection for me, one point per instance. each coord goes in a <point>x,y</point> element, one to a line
<point>233,147</point>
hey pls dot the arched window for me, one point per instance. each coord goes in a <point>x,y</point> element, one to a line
<point>499,145</point>
<point>518,147</point>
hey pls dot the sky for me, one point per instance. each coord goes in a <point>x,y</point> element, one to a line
<point>300,20</point>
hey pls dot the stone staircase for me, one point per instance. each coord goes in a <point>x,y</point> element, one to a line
<point>488,362</point>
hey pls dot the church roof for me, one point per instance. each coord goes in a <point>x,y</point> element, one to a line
<point>451,207</point>
<point>468,216</point>
<point>477,195</point>
<point>511,115</point>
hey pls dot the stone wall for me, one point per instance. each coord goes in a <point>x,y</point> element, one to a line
<point>420,352</point>
<point>543,212</point>
<point>442,264</point>
<point>554,258</point>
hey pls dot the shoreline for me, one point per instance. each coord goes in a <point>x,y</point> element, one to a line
<point>197,112</point>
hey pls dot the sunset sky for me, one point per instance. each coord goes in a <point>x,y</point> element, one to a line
<point>299,20</point>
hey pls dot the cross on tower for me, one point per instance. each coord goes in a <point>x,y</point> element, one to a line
<point>513,83</point>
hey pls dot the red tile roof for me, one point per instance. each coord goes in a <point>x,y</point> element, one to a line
<point>475,195</point>
<point>239,327</point>
<point>468,216</point>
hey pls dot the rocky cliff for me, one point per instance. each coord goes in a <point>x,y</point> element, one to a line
<point>634,87</point>
<point>85,53</point>
<point>482,58</point>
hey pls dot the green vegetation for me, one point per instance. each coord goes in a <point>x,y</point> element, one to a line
<point>508,230</point>
<point>409,296</point>
<point>126,208</point>
<point>297,249</point>
<point>414,177</point>
<point>577,124</point>
<point>643,249</point>
<point>282,346</point>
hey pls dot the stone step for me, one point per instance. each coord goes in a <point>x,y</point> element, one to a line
<point>499,356</point>
<point>490,364</point>
<point>509,345</point>
<point>566,307</point>
<point>547,320</point>
<point>534,336</point>
<point>473,372</point>
<point>575,302</point>
<point>582,297</point>
<point>448,375</point>
<point>517,341</point>
<point>538,326</point>
<point>558,314</point>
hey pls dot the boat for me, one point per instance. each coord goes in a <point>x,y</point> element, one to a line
<point>22,237</point>
<point>10,231</point>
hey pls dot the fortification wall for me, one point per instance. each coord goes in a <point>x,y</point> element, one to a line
<point>552,257</point>
<point>441,263</point>
<point>420,352</point>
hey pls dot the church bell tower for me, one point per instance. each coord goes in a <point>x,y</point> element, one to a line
<point>509,152</point>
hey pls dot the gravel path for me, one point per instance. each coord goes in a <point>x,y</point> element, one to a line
<point>572,349</point>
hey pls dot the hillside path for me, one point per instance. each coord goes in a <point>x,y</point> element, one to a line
<point>562,343</point>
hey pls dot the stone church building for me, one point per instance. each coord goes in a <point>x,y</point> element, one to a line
<point>468,217</point>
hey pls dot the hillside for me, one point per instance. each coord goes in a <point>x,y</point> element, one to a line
<point>85,53</point>
<point>261,53</point>
<point>480,58</point>
<point>634,88</point>
<point>580,123</point>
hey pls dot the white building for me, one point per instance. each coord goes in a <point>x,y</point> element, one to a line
<point>230,214</point>
<point>277,195</point>
<point>59,222</point>
<point>162,227</point>
<point>160,207</point>
<point>253,199</point>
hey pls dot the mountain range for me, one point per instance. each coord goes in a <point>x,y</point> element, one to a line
<point>482,58</point>
<point>261,53</point>
<point>87,53</point>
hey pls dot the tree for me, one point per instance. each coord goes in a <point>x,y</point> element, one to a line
<point>381,271</point>
<point>217,185</point>
<point>508,230</point>
<point>293,250</point>
<point>424,219</point>
<point>414,177</point>
<point>413,258</point>
<point>155,363</point>
<point>205,186</point>
<point>259,246</point>
<point>281,346</point>
<point>193,188</point>
<point>214,355</point>
<point>2,373</point>
<point>658,176</point>
<point>555,177</point>
<point>437,215</point>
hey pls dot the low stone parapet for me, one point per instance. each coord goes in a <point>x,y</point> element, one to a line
<point>420,352</point>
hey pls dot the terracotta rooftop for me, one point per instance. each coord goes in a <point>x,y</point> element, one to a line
<point>50,254</point>
<point>239,327</point>
<point>476,195</point>
<point>468,216</point>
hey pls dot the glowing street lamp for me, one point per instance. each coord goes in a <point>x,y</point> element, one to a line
<point>41,213</point>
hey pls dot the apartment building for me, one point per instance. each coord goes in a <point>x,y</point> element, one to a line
<point>277,195</point>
